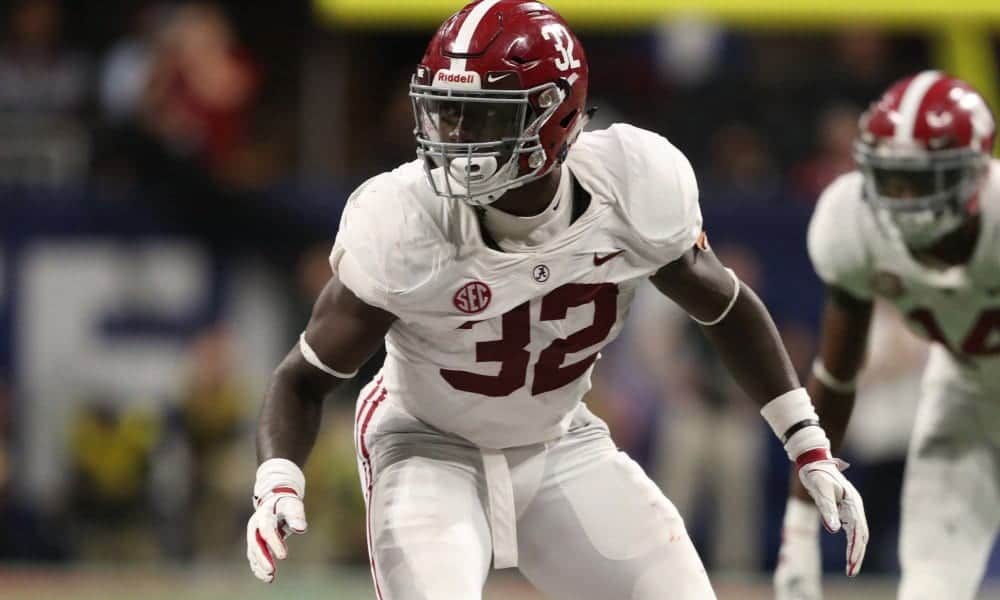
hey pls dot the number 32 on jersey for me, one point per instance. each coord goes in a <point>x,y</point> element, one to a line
<point>511,349</point>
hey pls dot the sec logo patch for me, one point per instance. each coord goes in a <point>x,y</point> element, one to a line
<point>473,297</point>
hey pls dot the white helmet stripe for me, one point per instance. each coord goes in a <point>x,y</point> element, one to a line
<point>468,29</point>
<point>909,105</point>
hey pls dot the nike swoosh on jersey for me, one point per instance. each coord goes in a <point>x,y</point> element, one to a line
<point>600,260</point>
<point>493,78</point>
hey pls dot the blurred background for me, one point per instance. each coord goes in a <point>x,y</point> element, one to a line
<point>171,180</point>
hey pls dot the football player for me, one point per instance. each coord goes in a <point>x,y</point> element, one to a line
<point>917,224</point>
<point>495,267</point>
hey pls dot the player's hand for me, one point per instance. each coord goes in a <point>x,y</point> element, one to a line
<point>799,573</point>
<point>279,512</point>
<point>839,505</point>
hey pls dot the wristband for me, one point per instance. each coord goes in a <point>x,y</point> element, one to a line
<point>794,420</point>
<point>791,431</point>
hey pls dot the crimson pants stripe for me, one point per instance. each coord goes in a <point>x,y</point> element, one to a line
<point>361,411</point>
<point>361,435</point>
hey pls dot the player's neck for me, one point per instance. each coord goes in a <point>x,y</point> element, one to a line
<point>531,198</point>
<point>956,248</point>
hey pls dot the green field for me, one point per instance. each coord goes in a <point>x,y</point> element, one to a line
<point>224,582</point>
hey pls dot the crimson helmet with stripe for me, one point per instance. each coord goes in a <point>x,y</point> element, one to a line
<point>924,148</point>
<point>498,98</point>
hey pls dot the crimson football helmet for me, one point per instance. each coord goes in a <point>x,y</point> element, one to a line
<point>498,98</point>
<point>924,148</point>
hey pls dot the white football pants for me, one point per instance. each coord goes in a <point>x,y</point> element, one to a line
<point>579,518</point>
<point>951,493</point>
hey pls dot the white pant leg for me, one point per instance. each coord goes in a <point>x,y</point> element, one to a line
<point>428,534</point>
<point>951,496</point>
<point>594,527</point>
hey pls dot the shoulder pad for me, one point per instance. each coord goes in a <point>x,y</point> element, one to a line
<point>837,247</point>
<point>652,183</point>
<point>388,243</point>
<point>986,269</point>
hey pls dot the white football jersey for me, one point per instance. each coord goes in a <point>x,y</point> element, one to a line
<point>498,347</point>
<point>957,307</point>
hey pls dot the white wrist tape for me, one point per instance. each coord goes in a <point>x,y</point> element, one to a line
<point>729,307</point>
<point>794,420</point>
<point>310,355</point>
<point>827,378</point>
<point>801,516</point>
<point>276,473</point>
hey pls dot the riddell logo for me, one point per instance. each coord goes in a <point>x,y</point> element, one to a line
<point>457,79</point>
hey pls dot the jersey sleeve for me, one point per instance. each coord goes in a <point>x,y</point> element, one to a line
<point>386,246</point>
<point>661,199</point>
<point>835,239</point>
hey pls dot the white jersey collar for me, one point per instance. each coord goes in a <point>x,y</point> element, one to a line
<point>517,234</point>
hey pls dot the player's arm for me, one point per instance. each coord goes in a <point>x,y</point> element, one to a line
<point>739,327</point>
<point>844,333</point>
<point>735,321</point>
<point>843,343</point>
<point>342,334</point>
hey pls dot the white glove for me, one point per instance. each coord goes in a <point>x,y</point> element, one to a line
<point>793,419</point>
<point>799,573</point>
<point>278,495</point>
<point>839,504</point>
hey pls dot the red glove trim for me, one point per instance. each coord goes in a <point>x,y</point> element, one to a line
<point>811,456</point>
<point>263,548</point>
